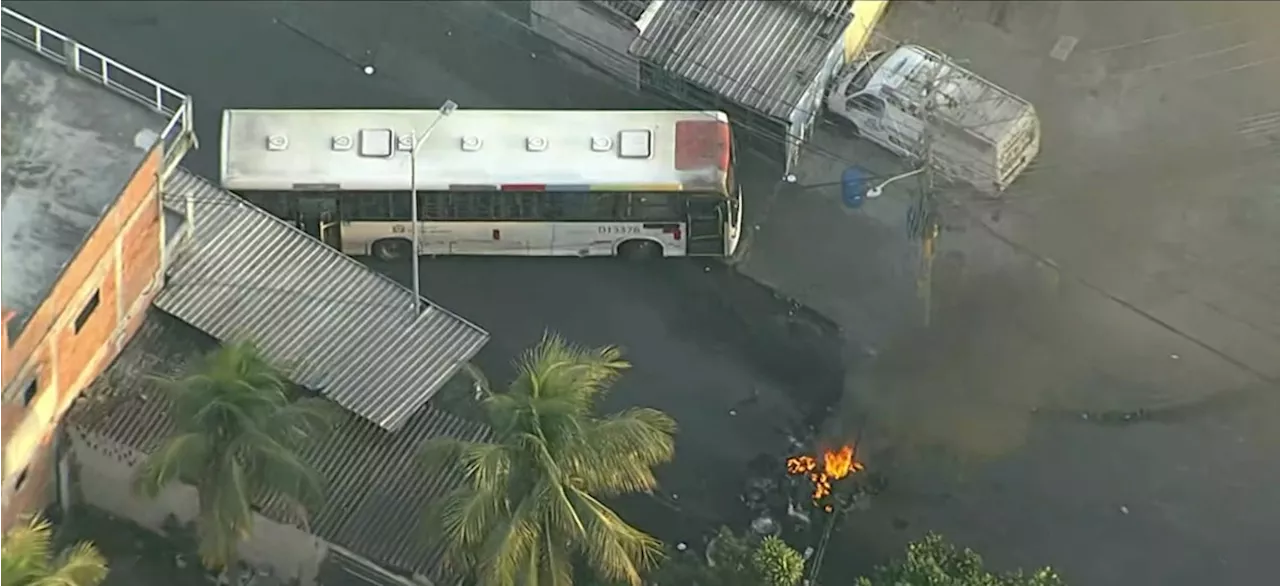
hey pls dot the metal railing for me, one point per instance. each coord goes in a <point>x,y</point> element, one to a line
<point>178,135</point>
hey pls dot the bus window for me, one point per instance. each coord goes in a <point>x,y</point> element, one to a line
<point>367,205</point>
<point>652,206</point>
<point>570,205</point>
<point>486,206</point>
<point>607,206</point>
<point>432,205</point>
<point>526,205</point>
<point>275,202</point>
<point>401,204</point>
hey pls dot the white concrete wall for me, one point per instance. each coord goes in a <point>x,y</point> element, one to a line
<point>106,470</point>
<point>585,32</point>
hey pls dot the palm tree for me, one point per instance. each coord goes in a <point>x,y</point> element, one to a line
<point>29,560</point>
<point>529,510</point>
<point>238,428</point>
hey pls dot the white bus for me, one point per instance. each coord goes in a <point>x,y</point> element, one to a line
<point>635,184</point>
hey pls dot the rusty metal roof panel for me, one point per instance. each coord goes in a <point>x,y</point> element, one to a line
<point>759,54</point>
<point>340,328</point>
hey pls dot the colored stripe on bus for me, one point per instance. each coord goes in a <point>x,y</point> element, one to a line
<point>639,187</point>
<point>471,187</point>
<point>524,187</point>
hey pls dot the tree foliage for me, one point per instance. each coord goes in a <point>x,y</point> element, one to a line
<point>777,564</point>
<point>239,426</point>
<point>530,508</point>
<point>735,560</point>
<point>933,561</point>
<point>29,559</point>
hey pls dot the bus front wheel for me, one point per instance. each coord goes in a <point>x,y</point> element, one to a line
<point>392,249</point>
<point>639,250</point>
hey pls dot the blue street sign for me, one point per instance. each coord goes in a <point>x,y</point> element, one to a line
<point>853,186</point>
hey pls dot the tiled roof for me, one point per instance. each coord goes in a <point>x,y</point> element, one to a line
<point>342,329</point>
<point>376,492</point>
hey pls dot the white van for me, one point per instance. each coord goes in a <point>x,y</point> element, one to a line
<point>982,135</point>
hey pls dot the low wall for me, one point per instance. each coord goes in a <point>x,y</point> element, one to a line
<point>106,470</point>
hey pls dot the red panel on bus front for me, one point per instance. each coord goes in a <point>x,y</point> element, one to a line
<point>701,144</point>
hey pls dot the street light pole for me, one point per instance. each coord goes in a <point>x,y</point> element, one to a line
<point>447,108</point>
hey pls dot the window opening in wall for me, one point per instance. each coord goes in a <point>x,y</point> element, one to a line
<point>22,479</point>
<point>29,393</point>
<point>87,312</point>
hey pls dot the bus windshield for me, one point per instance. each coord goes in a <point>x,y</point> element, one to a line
<point>538,183</point>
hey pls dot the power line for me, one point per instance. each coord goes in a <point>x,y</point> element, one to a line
<point>928,189</point>
<point>1037,167</point>
<point>772,134</point>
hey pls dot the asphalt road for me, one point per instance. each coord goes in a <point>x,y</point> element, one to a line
<point>1121,429</point>
<point>704,341</point>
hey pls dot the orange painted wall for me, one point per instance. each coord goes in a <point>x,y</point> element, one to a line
<point>120,261</point>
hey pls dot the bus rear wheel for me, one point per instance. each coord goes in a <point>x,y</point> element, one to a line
<point>392,249</point>
<point>639,250</point>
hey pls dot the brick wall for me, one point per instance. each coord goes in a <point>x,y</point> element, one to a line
<point>89,315</point>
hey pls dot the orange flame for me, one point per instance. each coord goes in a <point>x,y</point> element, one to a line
<point>840,463</point>
<point>836,464</point>
<point>797,465</point>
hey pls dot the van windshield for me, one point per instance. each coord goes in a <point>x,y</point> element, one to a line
<point>863,76</point>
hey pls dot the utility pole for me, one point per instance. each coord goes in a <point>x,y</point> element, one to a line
<point>447,108</point>
<point>927,205</point>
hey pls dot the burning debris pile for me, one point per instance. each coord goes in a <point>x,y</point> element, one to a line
<point>835,465</point>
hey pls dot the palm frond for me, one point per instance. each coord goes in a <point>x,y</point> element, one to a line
<point>459,521</point>
<point>304,421</point>
<point>616,455</point>
<point>557,562</point>
<point>487,466</point>
<point>80,565</point>
<point>441,451</point>
<point>556,509</point>
<point>555,367</point>
<point>527,513</point>
<point>505,550</point>
<point>176,458</point>
<point>470,516</point>
<point>28,559</point>
<point>616,550</point>
<point>279,469</point>
<point>502,411</point>
<point>26,550</point>
<point>240,432</point>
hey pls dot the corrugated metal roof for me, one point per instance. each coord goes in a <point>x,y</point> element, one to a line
<point>759,54</point>
<point>631,9</point>
<point>375,490</point>
<point>341,328</point>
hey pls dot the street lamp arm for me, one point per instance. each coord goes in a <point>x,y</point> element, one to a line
<point>878,190</point>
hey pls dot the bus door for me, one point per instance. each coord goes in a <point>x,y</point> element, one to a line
<point>318,216</point>
<point>706,226</point>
